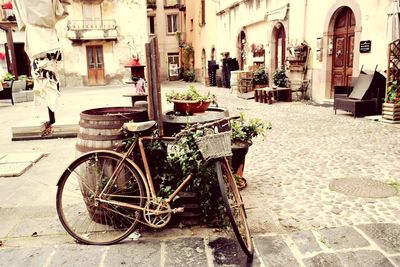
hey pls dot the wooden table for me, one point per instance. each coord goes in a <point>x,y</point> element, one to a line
<point>136,97</point>
<point>265,94</point>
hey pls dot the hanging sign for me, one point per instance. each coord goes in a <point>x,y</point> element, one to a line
<point>365,46</point>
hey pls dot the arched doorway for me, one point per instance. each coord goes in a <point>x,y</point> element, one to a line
<point>343,48</point>
<point>279,46</point>
<point>203,64</point>
<point>241,49</point>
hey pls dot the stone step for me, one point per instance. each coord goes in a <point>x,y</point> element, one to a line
<point>32,130</point>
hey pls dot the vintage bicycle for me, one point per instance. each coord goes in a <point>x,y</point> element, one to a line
<point>103,195</point>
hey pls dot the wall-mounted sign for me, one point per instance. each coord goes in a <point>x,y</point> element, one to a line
<point>365,46</point>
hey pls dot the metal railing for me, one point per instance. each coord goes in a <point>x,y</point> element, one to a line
<point>101,24</point>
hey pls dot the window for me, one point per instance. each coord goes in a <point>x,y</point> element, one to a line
<point>172,23</point>
<point>173,64</point>
<point>203,13</point>
<point>191,25</point>
<point>91,14</point>
<point>152,26</point>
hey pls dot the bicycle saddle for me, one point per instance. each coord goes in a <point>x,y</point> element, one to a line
<point>135,127</point>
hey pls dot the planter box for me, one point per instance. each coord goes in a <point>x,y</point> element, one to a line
<point>391,111</point>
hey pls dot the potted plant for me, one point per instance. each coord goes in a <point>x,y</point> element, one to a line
<point>7,79</point>
<point>243,132</point>
<point>189,76</point>
<point>260,77</point>
<point>391,107</point>
<point>280,79</point>
<point>191,101</point>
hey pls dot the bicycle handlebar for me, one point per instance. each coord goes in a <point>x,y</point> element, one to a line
<point>208,124</point>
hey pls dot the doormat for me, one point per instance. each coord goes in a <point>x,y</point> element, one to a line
<point>362,187</point>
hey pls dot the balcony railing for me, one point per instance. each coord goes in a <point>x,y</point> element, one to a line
<point>92,29</point>
<point>101,24</point>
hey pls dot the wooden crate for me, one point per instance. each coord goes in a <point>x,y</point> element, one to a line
<point>391,112</point>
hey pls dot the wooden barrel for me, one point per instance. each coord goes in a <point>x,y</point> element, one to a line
<point>101,128</point>
<point>174,123</point>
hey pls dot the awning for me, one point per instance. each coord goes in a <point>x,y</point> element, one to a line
<point>277,14</point>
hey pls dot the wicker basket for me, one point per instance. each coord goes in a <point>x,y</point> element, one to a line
<point>215,145</point>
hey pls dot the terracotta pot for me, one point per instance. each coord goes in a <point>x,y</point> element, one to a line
<point>239,152</point>
<point>190,107</point>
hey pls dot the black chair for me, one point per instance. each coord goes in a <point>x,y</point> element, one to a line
<point>365,98</point>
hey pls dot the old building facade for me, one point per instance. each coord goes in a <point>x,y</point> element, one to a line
<point>165,20</point>
<point>341,36</point>
<point>99,38</point>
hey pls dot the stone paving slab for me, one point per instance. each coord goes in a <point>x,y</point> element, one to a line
<point>185,252</point>
<point>306,242</point>
<point>386,235</point>
<point>14,169</point>
<point>134,253</point>
<point>370,258</point>
<point>15,164</point>
<point>275,252</point>
<point>395,260</point>
<point>323,260</point>
<point>227,252</point>
<point>21,257</point>
<point>21,157</point>
<point>342,238</point>
<point>76,255</point>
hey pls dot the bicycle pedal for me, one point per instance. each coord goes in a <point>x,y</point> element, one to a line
<point>178,210</point>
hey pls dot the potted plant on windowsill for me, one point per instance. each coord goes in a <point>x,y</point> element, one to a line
<point>190,101</point>
<point>243,132</point>
<point>391,107</point>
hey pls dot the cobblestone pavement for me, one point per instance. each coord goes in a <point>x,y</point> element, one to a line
<point>294,216</point>
<point>289,171</point>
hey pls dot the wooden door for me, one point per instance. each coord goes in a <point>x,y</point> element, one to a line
<point>95,65</point>
<point>280,41</point>
<point>343,48</point>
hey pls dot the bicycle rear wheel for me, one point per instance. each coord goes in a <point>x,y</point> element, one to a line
<point>82,215</point>
<point>234,206</point>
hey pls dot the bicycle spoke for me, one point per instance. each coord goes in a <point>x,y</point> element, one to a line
<point>81,211</point>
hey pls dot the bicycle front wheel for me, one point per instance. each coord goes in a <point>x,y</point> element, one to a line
<point>81,213</point>
<point>234,206</point>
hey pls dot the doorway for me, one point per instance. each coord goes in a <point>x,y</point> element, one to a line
<point>203,65</point>
<point>95,63</point>
<point>241,49</point>
<point>279,40</point>
<point>343,48</point>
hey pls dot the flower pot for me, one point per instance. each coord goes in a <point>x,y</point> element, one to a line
<point>190,107</point>
<point>391,111</point>
<point>239,152</point>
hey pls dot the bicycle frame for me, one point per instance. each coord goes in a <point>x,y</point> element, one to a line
<point>148,181</point>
